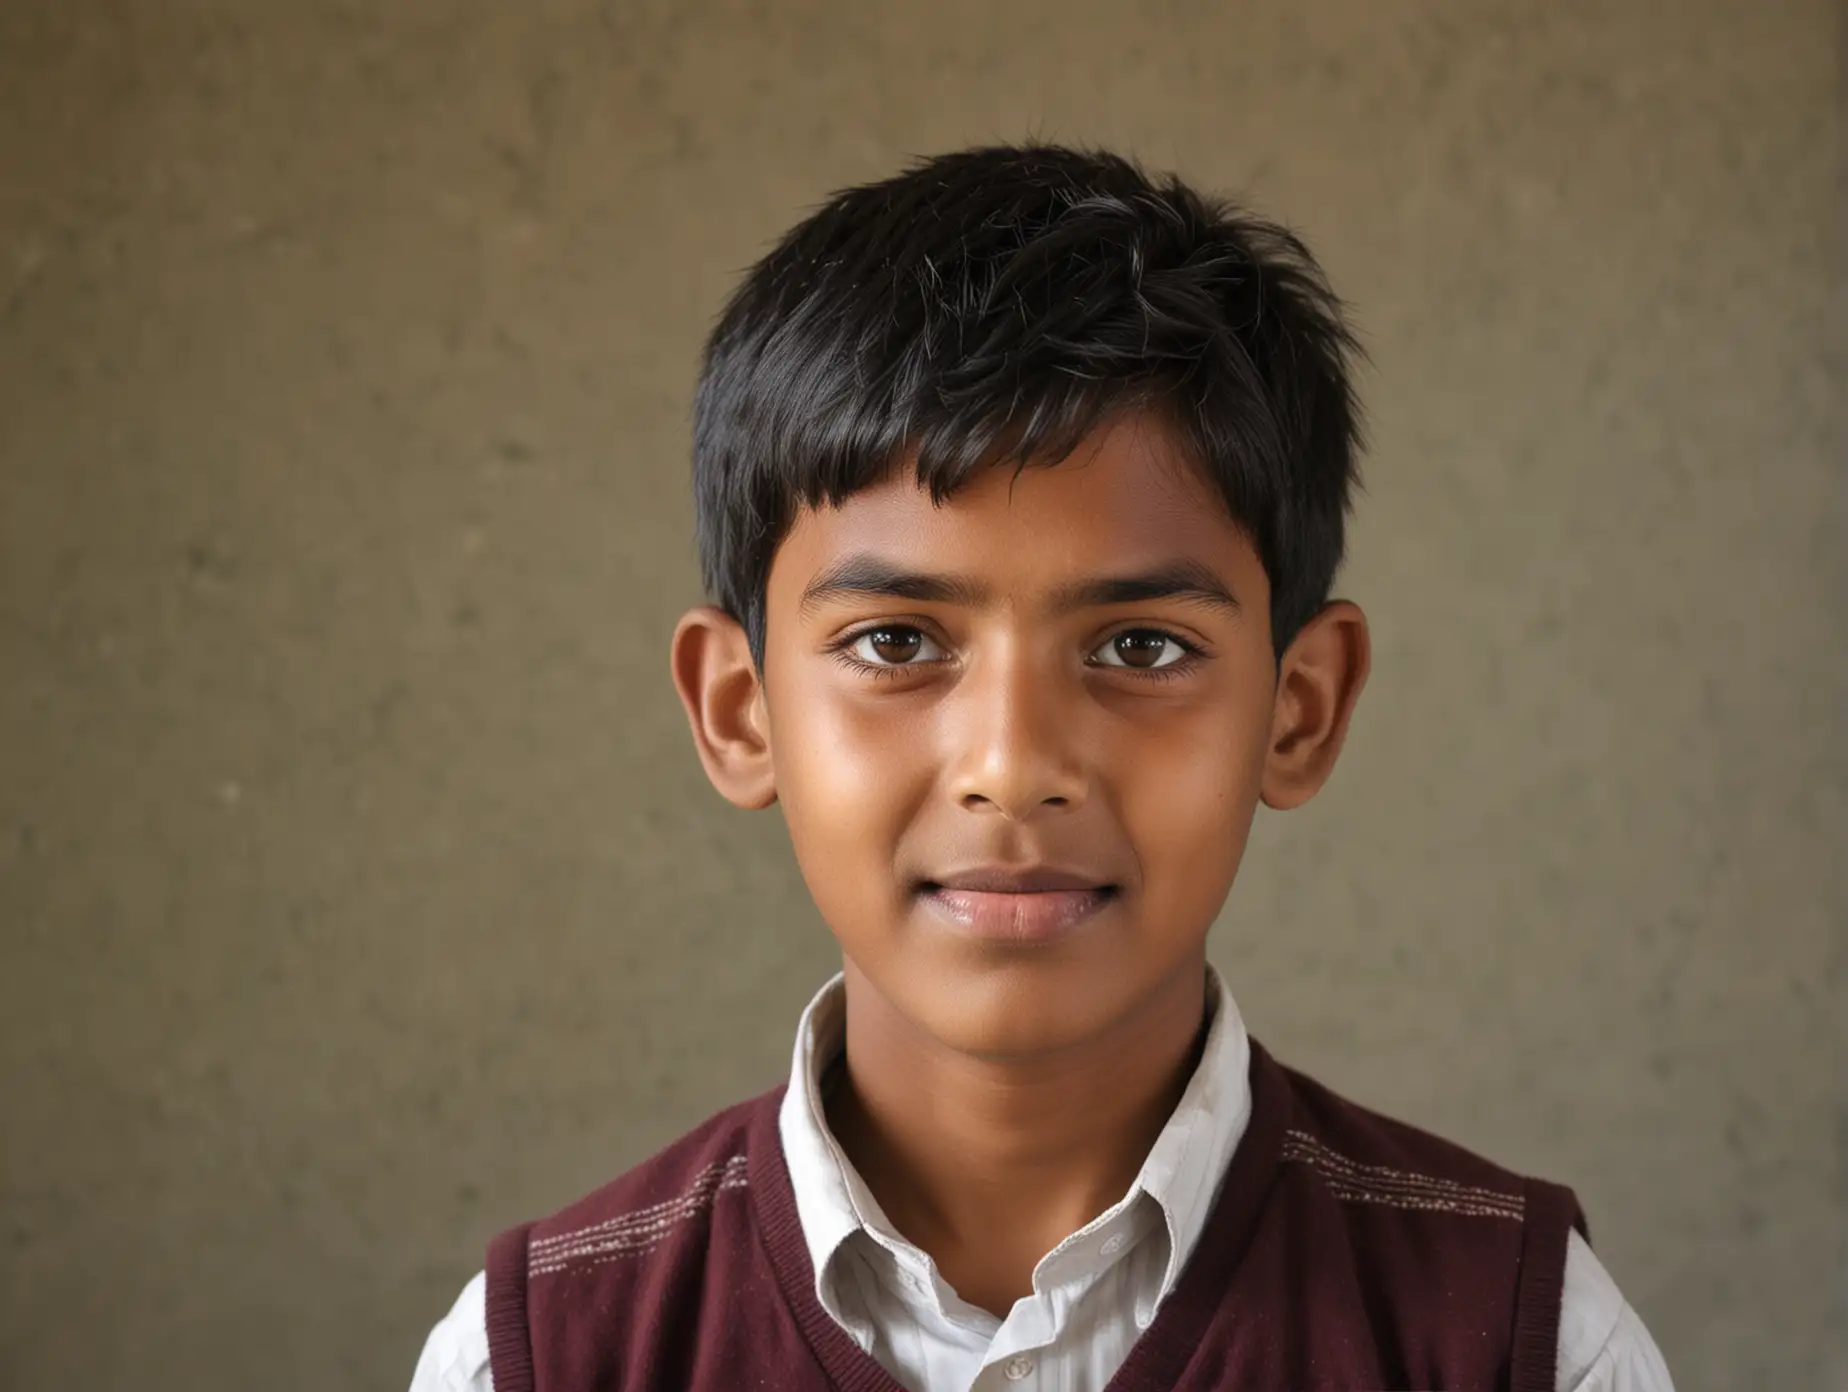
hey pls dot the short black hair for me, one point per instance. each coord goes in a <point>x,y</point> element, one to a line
<point>999,303</point>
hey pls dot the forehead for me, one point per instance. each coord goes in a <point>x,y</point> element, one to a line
<point>1130,496</point>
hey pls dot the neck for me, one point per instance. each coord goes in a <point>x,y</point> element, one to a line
<point>987,1164</point>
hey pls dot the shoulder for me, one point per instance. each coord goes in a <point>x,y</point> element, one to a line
<point>1366,1155</point>
<point>1447,1241</point>
<point>584,1296</point>
<point>643,1206</point>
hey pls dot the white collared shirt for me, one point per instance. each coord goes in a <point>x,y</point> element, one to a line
<point>1093,1294</point>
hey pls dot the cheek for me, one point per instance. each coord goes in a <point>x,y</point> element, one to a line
<point>1186,801</point>
<point>847,777</point>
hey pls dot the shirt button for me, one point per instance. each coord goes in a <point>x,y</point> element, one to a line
<point>1016,1368</point>
<point>1113,1244</point>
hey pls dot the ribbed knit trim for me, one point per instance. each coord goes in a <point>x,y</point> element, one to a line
<point>1552,1213</point>
<point>773,1207</point>
<point>510,1344</point>
<point>1156,1360</point>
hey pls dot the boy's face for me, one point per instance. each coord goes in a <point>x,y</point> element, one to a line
<point>1019,738</point>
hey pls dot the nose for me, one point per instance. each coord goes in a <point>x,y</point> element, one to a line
<point>1014,731</point>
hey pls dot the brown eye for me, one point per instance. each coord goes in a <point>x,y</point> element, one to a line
<point>895,645</point>
<point>1141,648</point>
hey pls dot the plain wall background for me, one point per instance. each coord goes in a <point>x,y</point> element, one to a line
<point>360,890</point>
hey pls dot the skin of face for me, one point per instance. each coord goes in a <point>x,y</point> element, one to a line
<point>1010,710</point>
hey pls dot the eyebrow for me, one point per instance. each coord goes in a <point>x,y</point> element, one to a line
<point>866,575</point>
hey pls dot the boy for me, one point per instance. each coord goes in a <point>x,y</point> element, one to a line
<point>1021,482</point>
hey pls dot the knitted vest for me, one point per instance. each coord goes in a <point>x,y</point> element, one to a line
<point>1345,1251</point>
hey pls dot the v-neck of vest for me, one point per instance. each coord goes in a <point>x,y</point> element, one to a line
<point>1159,1355</point>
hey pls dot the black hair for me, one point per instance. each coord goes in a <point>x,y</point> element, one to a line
<point>999,303</point>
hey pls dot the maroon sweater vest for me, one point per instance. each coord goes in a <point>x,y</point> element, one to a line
<point>1345,1251</point>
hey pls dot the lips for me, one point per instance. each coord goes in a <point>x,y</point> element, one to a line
<point>1015,904</point>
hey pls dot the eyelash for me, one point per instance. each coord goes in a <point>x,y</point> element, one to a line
<point>842,650</point>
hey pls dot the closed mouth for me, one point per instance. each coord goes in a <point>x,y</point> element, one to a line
<point>1023,917</point>
<point>1033,879</point>
<point>939,887</point>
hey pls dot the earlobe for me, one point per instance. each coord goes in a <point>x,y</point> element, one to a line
<point>1321,679</point>
<point>719,687</point>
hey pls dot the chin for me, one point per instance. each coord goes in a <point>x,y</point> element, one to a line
<point>1014,1009</point>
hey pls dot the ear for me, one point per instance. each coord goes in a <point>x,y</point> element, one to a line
<point>1319,681</point>
<point>719,686</point>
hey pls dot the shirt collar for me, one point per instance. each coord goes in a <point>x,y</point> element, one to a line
<point>1182,1172</point>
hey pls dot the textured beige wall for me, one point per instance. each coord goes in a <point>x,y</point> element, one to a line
<point>360,891</point>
